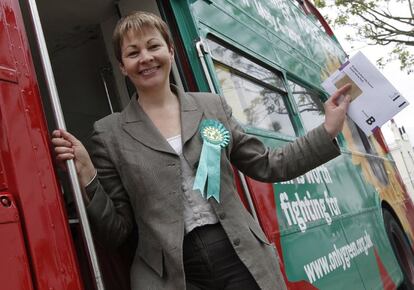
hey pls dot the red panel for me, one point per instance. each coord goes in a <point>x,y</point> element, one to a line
<point>240,189</point>
<point>25,150</point>
<point>14,265</point>
<point>387,282</point>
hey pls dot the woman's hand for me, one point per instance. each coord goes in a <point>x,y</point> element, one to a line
<point>335,110</point>
<point>68,147</point>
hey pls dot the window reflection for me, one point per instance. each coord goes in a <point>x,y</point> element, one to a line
<point>253,104</point>
<point>235,60</point>
<point>309,105</point>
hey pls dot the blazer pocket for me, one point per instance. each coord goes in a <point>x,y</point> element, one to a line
<point>151,254</point>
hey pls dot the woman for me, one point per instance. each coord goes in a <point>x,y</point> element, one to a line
<point>149,171</point>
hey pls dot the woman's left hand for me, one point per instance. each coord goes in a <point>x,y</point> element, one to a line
<point>335,111</point>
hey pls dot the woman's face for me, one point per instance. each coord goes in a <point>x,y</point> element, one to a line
<point>146,59</point>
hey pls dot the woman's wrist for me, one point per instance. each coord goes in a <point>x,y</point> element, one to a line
<point>331,131</point>
<point>87,175</point>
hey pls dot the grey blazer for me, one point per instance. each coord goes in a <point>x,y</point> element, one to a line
<point>139,180</point>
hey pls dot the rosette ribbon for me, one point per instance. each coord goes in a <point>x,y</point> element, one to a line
<point>215,136</point>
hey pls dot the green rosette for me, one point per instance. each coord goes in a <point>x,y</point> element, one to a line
<point>215,136</point>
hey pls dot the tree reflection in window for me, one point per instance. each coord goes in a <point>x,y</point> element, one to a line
<point>253,104</point>
<point>256,94</point>
<point>235,60</point>
<point>309,105</point>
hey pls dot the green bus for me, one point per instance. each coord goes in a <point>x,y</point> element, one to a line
<point>348,224</point>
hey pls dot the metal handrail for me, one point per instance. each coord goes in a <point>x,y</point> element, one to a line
<point>58,115</point>
<point>104,82</point>
<point>201,52</point>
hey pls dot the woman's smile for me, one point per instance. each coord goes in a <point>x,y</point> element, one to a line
<point>149,71</point>
<point>146,59</point>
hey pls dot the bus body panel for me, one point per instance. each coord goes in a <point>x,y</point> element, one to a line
<point>14,269</point>
<point>326,225</point>
<point>248,28</point>
<point>26,156</point>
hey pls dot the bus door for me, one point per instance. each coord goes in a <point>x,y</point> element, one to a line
<point>15,273</point>
<point>78,35</point>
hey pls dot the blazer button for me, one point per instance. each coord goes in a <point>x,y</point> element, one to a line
<point>236,242</point>
<point>222,215</point>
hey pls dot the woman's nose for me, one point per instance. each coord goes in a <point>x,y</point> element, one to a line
<point>146,56</point>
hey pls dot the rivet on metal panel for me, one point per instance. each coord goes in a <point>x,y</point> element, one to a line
<point>5,201</point>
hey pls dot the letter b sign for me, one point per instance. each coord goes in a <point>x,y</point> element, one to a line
<point>370,120</point>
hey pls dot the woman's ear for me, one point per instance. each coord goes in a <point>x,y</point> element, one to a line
<point>172,53</point>
<point>122,68</point>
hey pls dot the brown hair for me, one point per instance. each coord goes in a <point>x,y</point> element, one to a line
<point>136,21</point>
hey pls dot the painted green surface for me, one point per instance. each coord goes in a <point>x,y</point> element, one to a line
<point>275,29</point>
<point>278,34</point>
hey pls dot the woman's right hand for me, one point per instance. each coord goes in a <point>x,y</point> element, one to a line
<point>68,147</point>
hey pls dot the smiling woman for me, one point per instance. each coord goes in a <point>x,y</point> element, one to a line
<point>188,171</point>
<point>146,58</point>
<point>145,190</point>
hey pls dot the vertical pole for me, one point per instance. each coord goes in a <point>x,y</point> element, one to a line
<point>58,115</point>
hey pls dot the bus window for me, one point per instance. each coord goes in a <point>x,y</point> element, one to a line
<point>256,95</point>
<point>309,105</point>
<point>233,59</point>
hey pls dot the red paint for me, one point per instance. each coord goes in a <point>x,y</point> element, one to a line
<point>38,241</point>
<point>388,284</point>
<point>381,140</point>
<point>309,8</point>
<point>240,189</point>
<point>14,268</point>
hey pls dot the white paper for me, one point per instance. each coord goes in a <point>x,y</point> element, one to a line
<point>375,101</point>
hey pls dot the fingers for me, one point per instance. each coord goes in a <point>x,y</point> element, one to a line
<point>66,135</point>
<point>60,133</point>
<point>339,93</point>
<point>61,142</point>
<point>63,146</point>
<point>64,150</point>
<point>345,103</point>
<point>64,157</point>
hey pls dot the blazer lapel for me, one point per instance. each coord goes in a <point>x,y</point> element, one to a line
<point>190,115</point>
<point>140,127</point>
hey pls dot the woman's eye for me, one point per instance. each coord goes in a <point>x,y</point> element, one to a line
<point>154,46</point>
<point>132,54</point>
